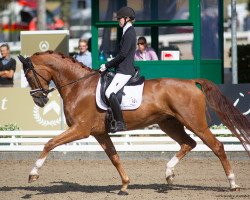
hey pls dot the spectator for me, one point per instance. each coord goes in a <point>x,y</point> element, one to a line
<point>7,67</point>
<point>84,56</point>
<point>33,24</point>
<point>144,52</point>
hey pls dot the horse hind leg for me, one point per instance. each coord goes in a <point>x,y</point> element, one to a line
<point>199,126</point>
<point>174,129</point>
<point>218,148</point>
<point>194,118</point>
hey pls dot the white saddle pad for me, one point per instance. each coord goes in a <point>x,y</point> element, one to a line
<point>130,101</point>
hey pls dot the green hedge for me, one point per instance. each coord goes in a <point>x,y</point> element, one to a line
<point>9,127</point>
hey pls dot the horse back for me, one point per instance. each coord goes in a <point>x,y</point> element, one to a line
<point>172,86</point>
<point>173,93</point>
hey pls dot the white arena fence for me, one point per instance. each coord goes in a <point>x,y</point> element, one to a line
<point>136,140</point>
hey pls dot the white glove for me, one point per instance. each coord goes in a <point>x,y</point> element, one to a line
<point>102,68</point>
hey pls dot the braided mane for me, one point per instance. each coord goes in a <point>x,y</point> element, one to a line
<point>71,59</point>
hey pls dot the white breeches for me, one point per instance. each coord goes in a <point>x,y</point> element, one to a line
<point>117,83</point>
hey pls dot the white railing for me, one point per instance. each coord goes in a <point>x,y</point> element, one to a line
<point>137,140</point>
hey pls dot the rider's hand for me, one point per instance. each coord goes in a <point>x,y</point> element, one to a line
<point>102,68</point>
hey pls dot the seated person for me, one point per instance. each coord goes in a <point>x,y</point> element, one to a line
<point>7,67</point>
<point>144,52</point>
<point>84,56</point>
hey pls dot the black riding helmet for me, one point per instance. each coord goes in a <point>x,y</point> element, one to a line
<point>125,12</point>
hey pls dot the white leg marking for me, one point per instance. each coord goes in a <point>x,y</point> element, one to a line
<point>170,166</point>
<point>170,169</point>
<point>231,179</point>
<point>38,165</point>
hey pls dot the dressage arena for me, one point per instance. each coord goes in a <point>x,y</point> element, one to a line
<point>87,176</point>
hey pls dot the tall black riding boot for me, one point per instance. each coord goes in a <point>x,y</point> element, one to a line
<point>115,106</point>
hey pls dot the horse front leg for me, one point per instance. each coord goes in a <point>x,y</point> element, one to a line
<point>108,146</point>
<point>72,134</point>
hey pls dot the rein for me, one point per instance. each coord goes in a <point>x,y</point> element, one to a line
<point>75,81</point>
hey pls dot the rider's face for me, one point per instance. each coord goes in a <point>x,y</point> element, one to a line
<point>121,21</point>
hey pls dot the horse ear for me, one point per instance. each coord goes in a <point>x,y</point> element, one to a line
<point>22,59</point>
<point>25,62</point>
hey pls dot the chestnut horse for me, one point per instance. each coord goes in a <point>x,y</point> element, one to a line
<point>170,103</point>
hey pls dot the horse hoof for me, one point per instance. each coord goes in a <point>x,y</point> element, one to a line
<point>235,188</point>
<point>33,178</point>
<point>170,179</point>
<point>122,193</point>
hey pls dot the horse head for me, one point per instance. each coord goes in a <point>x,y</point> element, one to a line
<point>38,81</point>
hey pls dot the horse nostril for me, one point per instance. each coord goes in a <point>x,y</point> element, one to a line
<point>41,102</point>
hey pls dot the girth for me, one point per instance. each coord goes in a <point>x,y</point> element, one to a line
<point>107,77</point>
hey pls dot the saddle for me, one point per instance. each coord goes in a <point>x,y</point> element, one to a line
<point>107,77</point>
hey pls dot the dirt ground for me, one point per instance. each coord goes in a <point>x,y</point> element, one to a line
<point>97,179</point>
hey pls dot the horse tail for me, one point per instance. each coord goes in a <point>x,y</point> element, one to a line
<point>230,116</point>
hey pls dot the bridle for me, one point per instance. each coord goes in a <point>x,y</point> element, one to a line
<point>40,90</point>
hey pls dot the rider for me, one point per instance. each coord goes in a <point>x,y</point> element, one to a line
<point>123,63</point>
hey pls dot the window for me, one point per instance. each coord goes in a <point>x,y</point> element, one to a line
<point>210,48</point>
<point>144,10</point>
<point>177,38</point>
<point>81,4</point>
<point>186,30</point>
<point>107,41</point>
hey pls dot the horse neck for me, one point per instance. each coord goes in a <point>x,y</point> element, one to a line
<point>66,72</point>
